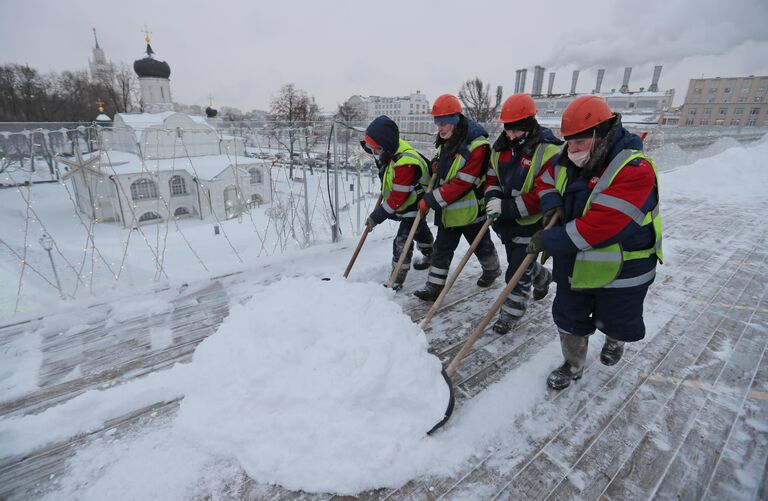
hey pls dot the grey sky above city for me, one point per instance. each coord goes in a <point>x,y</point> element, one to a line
<point>242,52</point>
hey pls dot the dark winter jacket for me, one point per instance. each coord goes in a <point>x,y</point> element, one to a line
<point>475,167</point>
<point>514,163</point>
<point>385,132</point>
<point>601,225</point>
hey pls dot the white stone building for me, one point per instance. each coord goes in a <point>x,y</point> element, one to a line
<point>154,166</point>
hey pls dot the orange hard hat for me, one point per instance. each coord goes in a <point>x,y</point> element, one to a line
<point>517,107</point>
<point>447,104</point>
<point>584,113</point>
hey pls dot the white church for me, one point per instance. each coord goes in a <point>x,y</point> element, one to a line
<point>160,164</point>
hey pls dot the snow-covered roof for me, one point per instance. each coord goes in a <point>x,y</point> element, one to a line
<point>141,121</point>
<point>204,167</point>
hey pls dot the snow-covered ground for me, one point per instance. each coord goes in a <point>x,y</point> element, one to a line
<point>322,386</point>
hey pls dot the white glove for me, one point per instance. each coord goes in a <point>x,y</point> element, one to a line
<point>493,208</point>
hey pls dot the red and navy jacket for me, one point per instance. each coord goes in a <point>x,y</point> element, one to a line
<point>601,225</point>
<point>404,175</point>
<point>475,167</point>
<point>386,133</point>
<point>513,166</point>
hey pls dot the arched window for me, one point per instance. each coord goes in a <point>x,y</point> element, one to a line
<point>149,216</point>
<point>178,186</point>
<point>256,176</point>
<point>142,189</point>
<point>181,212</point>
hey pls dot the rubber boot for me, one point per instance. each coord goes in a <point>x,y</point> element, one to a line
<point>612,351</point>
<point>429,292</point>
<point>575,354</point>
<point>488,277</point>
<point>425,261</point>
<point>400,278</point>
<point>504,323</point>
<point>541,282</point>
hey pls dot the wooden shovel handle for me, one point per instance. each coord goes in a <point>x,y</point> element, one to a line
<point>359,245</point>
<point>408,240</point>
<point>439,301</point>
<point>530,258</point>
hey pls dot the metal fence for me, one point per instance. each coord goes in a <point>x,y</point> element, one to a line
<point>321,186</point>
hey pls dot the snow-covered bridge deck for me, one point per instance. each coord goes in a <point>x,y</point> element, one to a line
<point>682,416</point>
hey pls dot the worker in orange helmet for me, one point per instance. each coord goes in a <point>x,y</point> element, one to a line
<point>523,150</point>
<point>461,164</point>
<point>605,191</point>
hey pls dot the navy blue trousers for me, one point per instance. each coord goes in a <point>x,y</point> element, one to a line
<point>423,237</point>
<point>616,312</point>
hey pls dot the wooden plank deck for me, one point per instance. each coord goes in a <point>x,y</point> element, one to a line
<point>684,415</point>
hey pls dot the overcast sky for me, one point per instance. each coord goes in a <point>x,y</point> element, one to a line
<point>243,51</point>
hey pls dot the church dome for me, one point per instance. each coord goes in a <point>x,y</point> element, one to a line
<point>211,113</point>
<point>151,67</point>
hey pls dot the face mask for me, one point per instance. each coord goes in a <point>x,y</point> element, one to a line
<point>580,158</point>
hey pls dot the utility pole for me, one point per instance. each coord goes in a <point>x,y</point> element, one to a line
<point>306,209</point>
<point>359,196</point>
<point>336,233</point>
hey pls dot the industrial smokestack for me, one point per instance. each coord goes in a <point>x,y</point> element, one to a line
<point>517,81</point>
<point>625,83</point>
<point>523,73</point>
<point>538,80</point>
<point>551,83</point>
<point>574,80</point>
<point>655,80</point>
<point>599,83</point>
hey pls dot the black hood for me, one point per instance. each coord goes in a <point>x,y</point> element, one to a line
<point>385,132</point>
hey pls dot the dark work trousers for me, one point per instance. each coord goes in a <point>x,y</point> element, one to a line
<point>446,243</point>
<point>516,303</point>
<point>422,237</point>
<point>618,313</point>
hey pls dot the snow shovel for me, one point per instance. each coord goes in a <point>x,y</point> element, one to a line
<point>359,244</point>
<point>454,365</point>
<point>455,275</point>
<point>409,240</point>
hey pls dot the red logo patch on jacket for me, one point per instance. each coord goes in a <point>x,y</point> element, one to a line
<point>593,182</point>
<point>525,162</point>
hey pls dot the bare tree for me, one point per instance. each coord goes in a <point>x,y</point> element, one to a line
<point>348,112</point>
<point>293,109</point>
<point>476,98</point>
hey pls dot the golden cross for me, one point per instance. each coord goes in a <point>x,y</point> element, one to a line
<point>147,33</point>
<point>210,99</point>
<point>101,105</point>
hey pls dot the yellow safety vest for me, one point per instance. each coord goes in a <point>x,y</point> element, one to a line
<point>405,155</point>
<point>541,155</point>
<point>599,267</point>
<point>466,209</point>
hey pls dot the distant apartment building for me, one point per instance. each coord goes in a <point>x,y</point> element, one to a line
<point>411,113</point>
<point>730,102</point>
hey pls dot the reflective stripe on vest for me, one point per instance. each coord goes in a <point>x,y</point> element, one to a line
<point>466,209</point>
<point>405,155</point>
<point>541,155</point>
<point>599,267</point>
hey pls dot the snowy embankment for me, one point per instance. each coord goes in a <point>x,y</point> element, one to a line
<point>321,386</point>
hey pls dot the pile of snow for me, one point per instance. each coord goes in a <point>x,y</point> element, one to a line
<point>315,385</point>
<point>731,176</point>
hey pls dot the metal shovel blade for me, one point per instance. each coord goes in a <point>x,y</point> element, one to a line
<point>449,409</point>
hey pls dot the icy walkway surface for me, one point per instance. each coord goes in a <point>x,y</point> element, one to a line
<point>90,398</point>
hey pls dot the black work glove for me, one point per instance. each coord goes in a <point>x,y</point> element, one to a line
<point>536,244</point>
<point>551,213</point>
<point>370,223</point>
